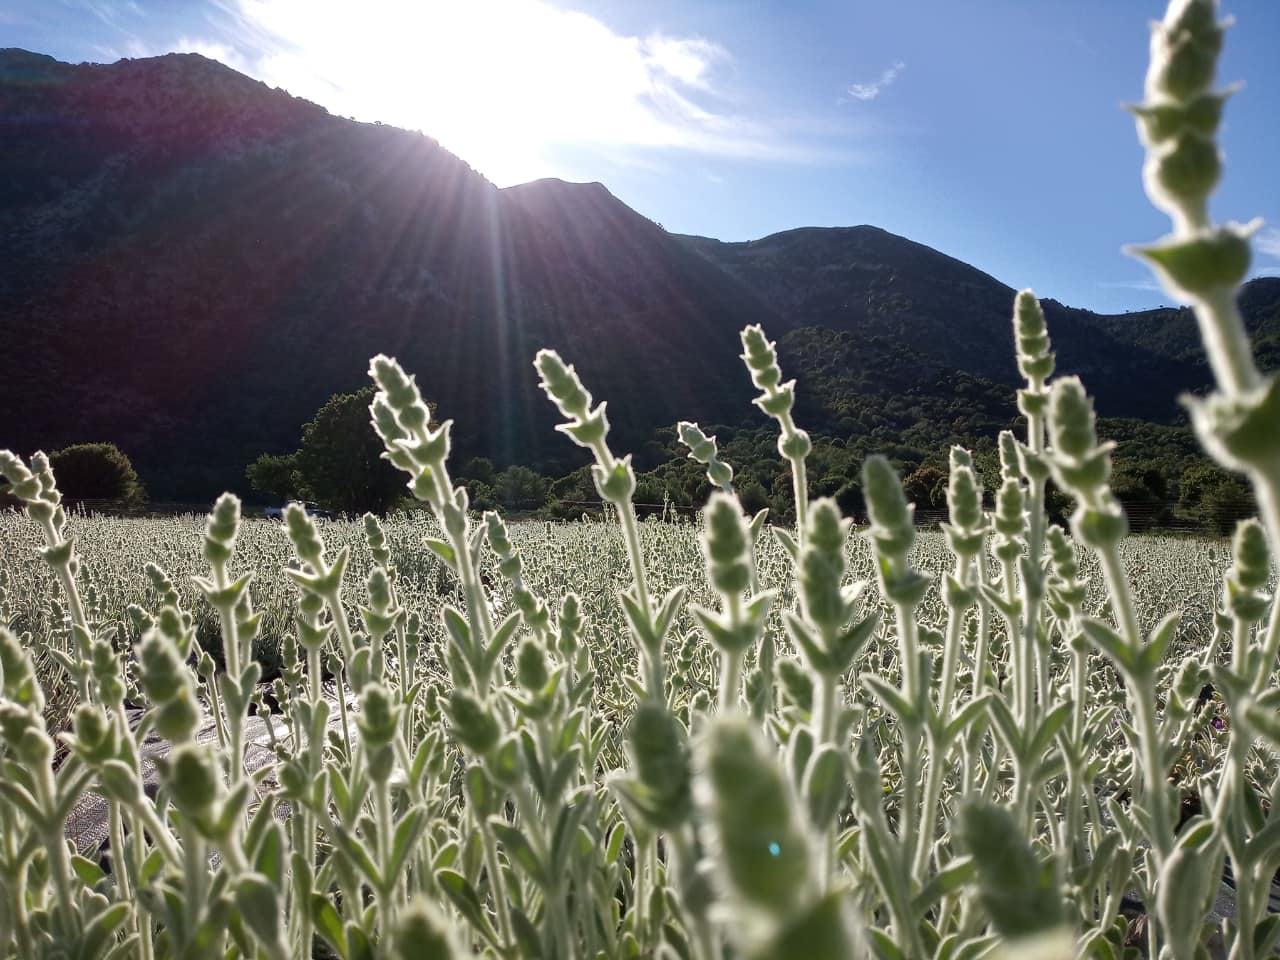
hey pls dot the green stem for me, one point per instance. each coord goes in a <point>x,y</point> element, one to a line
<point>497,886</point>
<point>928,812</point>
<point>1226,341</point>
<point>730,679</point>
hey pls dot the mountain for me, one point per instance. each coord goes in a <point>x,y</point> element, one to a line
<point>192,262</point>
<point>887,292</point>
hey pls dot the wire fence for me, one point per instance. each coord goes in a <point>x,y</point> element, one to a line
<point>1144,516</point>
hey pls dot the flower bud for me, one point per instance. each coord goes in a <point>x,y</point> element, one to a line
<point>1065,563</point>
<point>1071,419</point>
<point>1035,361</point>
<point>560,382</point>
<point>964,498</point>
<point>891,516</point>
<point>1196,266</point>
<point>377,541</point>
<point>1010,456</point>
<point>471,722</point>
<point>531,667</point>
<point>726,544</point>
<point>755,832</point>
<point>617,485</point>
<point>761,358</point>
<point>422,933</point>
<point>400,393</point>
<point>660,755</point>
<point>379,716</point>
<point>304,536</point>
<point>221,529</point>
<point>1251,567</point>
<point>797,683</point>
<point>193,780</point>
<point>822,567</point>
<point>1010,516</point>
<point>17,673</point>
<point>1184,50</point>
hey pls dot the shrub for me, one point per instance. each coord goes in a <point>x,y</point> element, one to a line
<point>98,471</point>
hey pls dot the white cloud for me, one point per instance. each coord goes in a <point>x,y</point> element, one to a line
<point>1267,242</point>
<point>869,91</point>
<point>505,84</point>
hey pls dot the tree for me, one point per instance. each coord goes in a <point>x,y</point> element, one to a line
<point>1214,497</point>
<point>97,471</point>
<point>926,487</point>
<point>339,464</point>
<point>278,477</point>
<point>519,488</point>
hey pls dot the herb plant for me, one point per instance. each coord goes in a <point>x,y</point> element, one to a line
<point>761,743</point>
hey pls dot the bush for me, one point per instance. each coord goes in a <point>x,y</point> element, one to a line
<point>97,471</point>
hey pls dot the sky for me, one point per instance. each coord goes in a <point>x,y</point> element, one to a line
<point>991,130</point>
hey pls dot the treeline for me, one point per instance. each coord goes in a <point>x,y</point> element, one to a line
<point>1160,474</point>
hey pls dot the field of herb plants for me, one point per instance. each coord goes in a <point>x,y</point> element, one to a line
<point>445,737</point>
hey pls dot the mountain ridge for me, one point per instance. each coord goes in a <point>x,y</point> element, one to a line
<point>193,262</point>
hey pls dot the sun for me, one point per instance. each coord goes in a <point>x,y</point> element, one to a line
<point>508,86</point>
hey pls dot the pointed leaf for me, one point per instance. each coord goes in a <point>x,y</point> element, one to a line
<point>1006,726</point>
<point>408,830</point>
<point>1102,636</point>
<point>442,550</point>
<point>890,697</point>
<point>463,896</point>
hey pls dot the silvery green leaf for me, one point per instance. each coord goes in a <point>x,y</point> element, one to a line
<point>757,522</point>
<point>884,946</point>
<point>945,882</point>
<point>464,897</point>
<point>1161,637</point>
<point>823,931</point>
<point>825,785</point>
<point>640,621</point>
<point>1049,727</point>
<point>1102,636</point>
<point>1017,890</point>
<point>443,550</point>
<point>968,714</point>
<point>566,829</point>
<point>788,542</point>
<point>1006,725</point>
<point>408,830</point>
<point>891,698</point>
<point>521,851</point>
<point>667,611</point>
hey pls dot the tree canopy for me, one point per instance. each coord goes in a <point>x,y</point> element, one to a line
<point>97,471</point>
<point>339,463</point>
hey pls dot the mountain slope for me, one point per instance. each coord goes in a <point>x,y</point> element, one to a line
<point>191,263</point>
<point>194,262</point>
<point>883,290</point>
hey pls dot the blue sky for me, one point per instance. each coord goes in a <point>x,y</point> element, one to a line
<point>989,129</point>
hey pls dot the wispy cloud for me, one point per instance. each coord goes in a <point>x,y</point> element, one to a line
<point>1267,242</point>
<point>506,84</point>
<point>1146,285</point>
<point>869,91</point>
<point>110,12</point>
